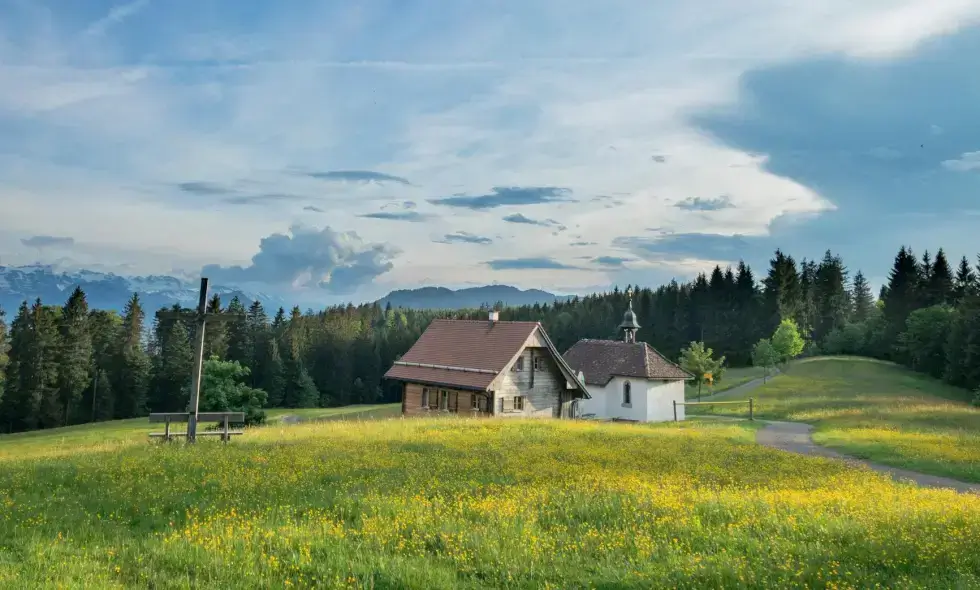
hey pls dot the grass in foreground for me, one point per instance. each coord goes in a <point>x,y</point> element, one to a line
<point>730,378</point>
<point>876,411</point>
<point>467,503</point>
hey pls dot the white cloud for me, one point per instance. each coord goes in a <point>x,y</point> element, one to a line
<point>546,93</point>
<point>966,162</point>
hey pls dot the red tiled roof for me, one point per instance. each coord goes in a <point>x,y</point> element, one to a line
<point>483,347</point>
<point>601,360</point>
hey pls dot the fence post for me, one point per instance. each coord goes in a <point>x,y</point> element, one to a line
<point>750,409</point>
<point>675,410</point>
<point>166,429</point>
<point>226,436</point>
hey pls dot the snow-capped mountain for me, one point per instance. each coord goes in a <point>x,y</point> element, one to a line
<point>109,290</point>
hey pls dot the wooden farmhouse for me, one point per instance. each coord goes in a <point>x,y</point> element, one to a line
<point>628,380</point>
<point>487,368</point>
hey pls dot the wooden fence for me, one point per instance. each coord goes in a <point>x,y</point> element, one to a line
<point>749,402</point>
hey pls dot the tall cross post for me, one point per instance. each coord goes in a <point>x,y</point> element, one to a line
<point>201,317</point>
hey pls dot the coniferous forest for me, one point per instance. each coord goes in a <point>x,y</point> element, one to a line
<point>68,364</point>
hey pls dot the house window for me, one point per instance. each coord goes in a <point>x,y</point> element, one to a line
<point>434,400</point>
<point>518,403</point>
<point>539,363</point>
<point>443,400</point>
<point>475,401</point>
<point>519,364</point>
<point>425,397</point>
<point>627,393</point>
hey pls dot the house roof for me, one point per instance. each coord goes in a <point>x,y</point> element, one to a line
<point>601,360</point>
<point>469,354</point>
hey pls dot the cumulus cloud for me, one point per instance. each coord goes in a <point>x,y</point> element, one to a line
<point>966,162</point>
<point>702,204</point>
<point>501,196</point>
<point>363,176</point>
<point>464,237</point>
<point>41,242</point>
<point>307,257</point>
<point>534,263</point>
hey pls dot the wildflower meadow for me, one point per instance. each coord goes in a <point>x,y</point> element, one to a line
<point>471,503</point>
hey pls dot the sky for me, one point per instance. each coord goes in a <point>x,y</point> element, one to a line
<point>332,150</point>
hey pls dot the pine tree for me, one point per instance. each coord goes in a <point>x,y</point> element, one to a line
<point>215,335</point>
<point>34,362</point>
<point>4,359</point>
<point>902,296</point>
<point>172,371</point>
<point>782,293</point>
<point>965,282</point>
<point>939,288</point>
<point>258,335</point>
<point>240,346</point>
<point>104,327</point>
<point>131,380</point>
<point>16,406</point>
<point>273,374</point>
<point>74,355</point>
<point>831,299</point>
<point>300,391</point>
<point>280,320</point>
<point>862,300</point>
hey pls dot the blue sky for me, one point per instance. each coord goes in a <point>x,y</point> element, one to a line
<point>335,150</point>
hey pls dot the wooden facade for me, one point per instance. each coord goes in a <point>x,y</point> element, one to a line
<point>423,400</point>
<point>532,385</point>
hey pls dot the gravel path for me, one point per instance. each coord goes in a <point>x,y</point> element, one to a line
<point>797,437</point>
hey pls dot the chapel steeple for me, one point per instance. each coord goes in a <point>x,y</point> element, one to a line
<point>629,325</point>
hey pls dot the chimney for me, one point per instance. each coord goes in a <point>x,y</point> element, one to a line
<point>494,316</point>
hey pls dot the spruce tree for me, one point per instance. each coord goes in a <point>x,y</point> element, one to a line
<point>902,295</point>
<point>4,359</point>
<point>965,282</point>
<point>16,406</point>
<point>172,371</point>
<point>831,298</point>
<point>240,346</point>
<point>104,327</point>
<point>862,300</point>
<point>215,335</point>
<point>280,320</point>
<point>782,293</point>
<point>939,287</point>
<point>74,355</point>
<point>131,380</point>
<point>273,374</point>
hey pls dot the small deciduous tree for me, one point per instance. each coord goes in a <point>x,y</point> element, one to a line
<point>699,361</point>
<point>764,355</point>
<point>223,389</point>
<point>786,341</point>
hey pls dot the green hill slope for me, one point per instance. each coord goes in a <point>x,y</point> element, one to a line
<point>878,411</point>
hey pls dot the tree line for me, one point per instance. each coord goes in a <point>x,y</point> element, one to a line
<point>69,364</point>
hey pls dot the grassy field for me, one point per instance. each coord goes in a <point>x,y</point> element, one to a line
<point>357,412</point>
<point>467,503</point>
<point>118,434</point>
<point>877,411</point>
<point>730,378</point>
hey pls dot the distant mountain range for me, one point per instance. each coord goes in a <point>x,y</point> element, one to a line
<point>473,297</point>
<point>108,290</point>
<point>112,291</point>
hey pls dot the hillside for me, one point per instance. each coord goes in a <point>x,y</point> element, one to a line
<point>469,298</point>
<point>876,410</point>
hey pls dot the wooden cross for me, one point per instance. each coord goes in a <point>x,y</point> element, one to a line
<point>200,317</point>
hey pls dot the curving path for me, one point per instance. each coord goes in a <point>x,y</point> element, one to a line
<point>796,437</point>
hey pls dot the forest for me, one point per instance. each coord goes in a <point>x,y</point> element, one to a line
<point>68,364</point>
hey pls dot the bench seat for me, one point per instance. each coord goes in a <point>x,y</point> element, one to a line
<point>202,433</point>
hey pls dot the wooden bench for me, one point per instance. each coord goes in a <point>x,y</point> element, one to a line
<point>225,418</point>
